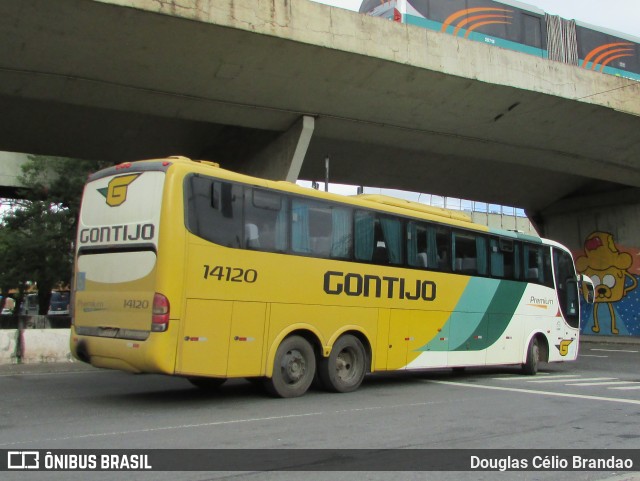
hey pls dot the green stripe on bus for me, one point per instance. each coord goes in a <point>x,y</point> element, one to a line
<point>481,316</point>
<point>498,315</point>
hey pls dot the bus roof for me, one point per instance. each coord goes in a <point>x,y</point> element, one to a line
<point>415,206</point>
<point>371,201</point>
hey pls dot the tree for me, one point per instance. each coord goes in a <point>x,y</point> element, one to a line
<point>37,234</point>
<point>10,275</point>
<point>58,180</point>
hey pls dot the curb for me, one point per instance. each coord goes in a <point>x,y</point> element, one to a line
<point>46,368</point>
<point>610,339</point>
<point>34,346</point>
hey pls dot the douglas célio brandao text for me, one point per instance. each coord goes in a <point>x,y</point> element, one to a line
<point>550,463</point>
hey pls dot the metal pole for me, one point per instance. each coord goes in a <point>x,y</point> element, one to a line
<point>326,174</point>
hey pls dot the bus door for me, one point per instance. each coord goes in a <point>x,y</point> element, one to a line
<point>246,342</point>
<point>569,300</point>
<point>222,338</point>
<point>467,338</point>
<point>398,339</point>
<point>418,339</point>
<point>506,336</point>
<point>203,348</point>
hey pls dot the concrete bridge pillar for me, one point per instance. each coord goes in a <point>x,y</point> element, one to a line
<point>282,159</point>
<point>603,232</point>
<point>10,170</point>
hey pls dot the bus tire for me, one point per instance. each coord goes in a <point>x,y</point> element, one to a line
<point>530,367</point>
<point>293,368</point>
<point>344,369</point>
<point>207,383</point>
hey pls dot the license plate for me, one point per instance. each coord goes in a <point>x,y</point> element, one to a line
<point>108,332</point>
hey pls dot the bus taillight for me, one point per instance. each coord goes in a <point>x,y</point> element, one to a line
<point>160,316</point>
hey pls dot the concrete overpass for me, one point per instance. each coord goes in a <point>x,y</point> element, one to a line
<point>392,105</point>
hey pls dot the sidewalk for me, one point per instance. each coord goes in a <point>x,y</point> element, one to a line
<point>45,368</point>
<point>610,339</point>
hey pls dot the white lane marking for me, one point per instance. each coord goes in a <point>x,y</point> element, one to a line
<point>221,423</point>
<point>591,355</point>
<point>550,378</point>
<point>626,388</point>
<point>579,379</point>
<point>539,393</point>
<point>605,383</point>
<point>614,350</point>
<point>166,428</point>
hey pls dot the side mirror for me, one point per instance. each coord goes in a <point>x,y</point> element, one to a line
<point>588,289</point>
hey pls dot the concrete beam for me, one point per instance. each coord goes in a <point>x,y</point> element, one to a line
<point>35,346</point>
<point>45,345</point>
<point>282,159</point>
<point>10,169</point>
<point>394,105</point>
<point>8,346</point>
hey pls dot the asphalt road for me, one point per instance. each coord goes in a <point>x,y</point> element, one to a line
<point>593,403</point>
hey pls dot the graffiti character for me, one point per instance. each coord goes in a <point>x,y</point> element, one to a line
<point>607,268</point>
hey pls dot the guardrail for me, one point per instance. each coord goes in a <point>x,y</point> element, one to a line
<point>34,339</point>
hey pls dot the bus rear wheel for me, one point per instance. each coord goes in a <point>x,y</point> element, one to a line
<point>344,369</point>
<point>530,367</point>
<point>293,368</point>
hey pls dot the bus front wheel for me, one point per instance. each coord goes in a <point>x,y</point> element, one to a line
<point>530,367</point>
<point>293,369</point>
<point>344,369</point>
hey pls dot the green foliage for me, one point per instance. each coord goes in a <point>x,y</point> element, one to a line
<point>10,275</point>
<point>58,180</point>
<point>37,234</point>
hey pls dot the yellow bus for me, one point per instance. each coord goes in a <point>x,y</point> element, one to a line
<point>187,269</point>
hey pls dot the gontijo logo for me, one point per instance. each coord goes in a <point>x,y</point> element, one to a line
<point>116,191</point>
<point>563,347</point>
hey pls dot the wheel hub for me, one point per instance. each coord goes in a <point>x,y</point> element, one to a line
<point>344,364</point>
<point>293,366</point>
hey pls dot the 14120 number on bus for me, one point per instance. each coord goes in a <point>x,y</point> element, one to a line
<point>230,274</point>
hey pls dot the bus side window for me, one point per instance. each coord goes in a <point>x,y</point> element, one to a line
<point>391,229</point>
<point>504,258</point>
<point>532,264</point>
<point>265,220</point>
<point>537,264</point>
<point>341,232</point>
<point>378,238</point>
<point>497,259</point>
<point>470,250</point>
<point>364,235</point>
<point>427,246</point>
<point>517,261</point>
<point>417,246</point>
<point>321,229</point>
<point>214,210</point>
<point>440,242</point>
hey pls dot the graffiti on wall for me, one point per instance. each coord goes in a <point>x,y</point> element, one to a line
<point>614,272</point>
